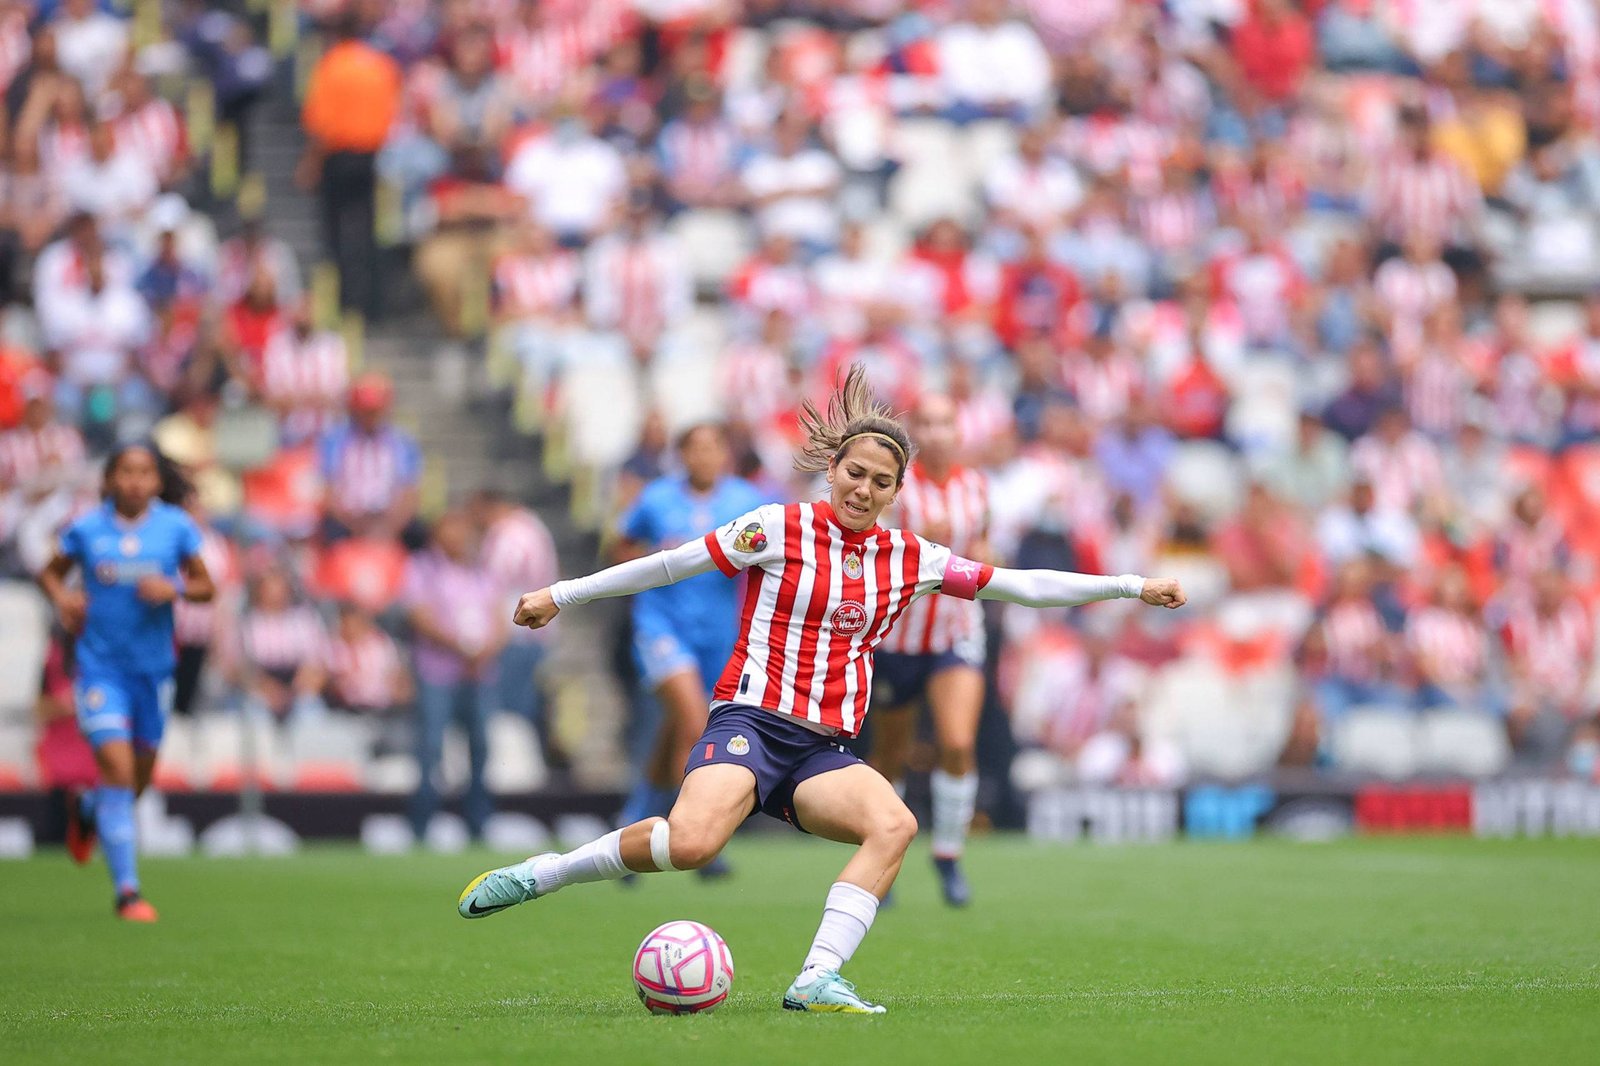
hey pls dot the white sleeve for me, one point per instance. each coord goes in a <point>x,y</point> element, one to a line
<point>1057,588</point>
<point>636,575</point>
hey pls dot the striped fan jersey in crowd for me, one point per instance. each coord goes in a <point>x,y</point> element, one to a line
<point>956,513</point>
<point>1354,635</point>
<point>366,471</point>
<point>820,599</point>
<point>31,459</point>
<point>278,643</point>
<point>362,670</point>
<point>1551,654</point>
<point>307,378</point>
<point>532,285</point>
<point>520,555</point>
<point>1453,645</point>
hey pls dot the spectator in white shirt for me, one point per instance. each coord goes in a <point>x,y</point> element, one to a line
<point>90,44</point>
<point>1358,527</point>
<point>1032,187</point>
<point>635,283</point>
<point>792,186</point>
<point>572,179</point>
<point>95,332</point>
<point>114,185</point>
<point>993,67</point>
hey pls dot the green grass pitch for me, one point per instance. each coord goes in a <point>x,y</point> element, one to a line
<point>1398,950</point>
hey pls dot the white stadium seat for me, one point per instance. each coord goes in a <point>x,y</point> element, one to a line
<point>24,621</point>
<point>1208,476</point>
<point>1376,741</point>
<point>1464,743</point>
<point>713,243</point>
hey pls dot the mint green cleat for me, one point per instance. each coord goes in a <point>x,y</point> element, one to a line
<point>828,993</point>
<point>492,892</point>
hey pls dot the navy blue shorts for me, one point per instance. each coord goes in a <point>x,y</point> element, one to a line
<point>778,750</point>
<point>900,680</point>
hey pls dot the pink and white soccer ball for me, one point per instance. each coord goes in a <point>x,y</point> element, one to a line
<point>682,967</point>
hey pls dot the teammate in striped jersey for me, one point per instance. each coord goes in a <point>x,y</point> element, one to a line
<point>827,584</point>
<point>936,651</point>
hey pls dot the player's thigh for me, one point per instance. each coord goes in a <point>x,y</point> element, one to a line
<point>955,700</point>
<point>714,801</point>
<point>852,804</point>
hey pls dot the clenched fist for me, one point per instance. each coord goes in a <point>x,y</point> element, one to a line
<point>536,610</point>
<point>1163,592</point>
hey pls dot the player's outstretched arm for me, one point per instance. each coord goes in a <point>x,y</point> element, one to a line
<point>536,609</point>
<point>1060,588</point>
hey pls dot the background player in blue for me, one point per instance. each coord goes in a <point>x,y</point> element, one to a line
<point>683,633</point>
<point>137,554</point>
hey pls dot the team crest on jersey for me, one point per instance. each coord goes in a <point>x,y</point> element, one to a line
<point>738,745</point>
<point>752,538</point>
<point>849,618</point>
<point>852,566</point>
<point>130,545</point>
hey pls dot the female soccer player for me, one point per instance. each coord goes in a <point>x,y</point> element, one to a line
<point>936,649</point>
<point>138,554</point>
<point>827,584</point>
<point>682,633</point>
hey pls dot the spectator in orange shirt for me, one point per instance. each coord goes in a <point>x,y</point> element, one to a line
<point>351,101</point>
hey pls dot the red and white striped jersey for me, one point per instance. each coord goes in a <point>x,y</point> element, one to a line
<point>280,642</point>
<point>156,134</point>
<point>820,599</point>
<point>956,513</point>
<point>54,451</point>
<point>527,286</point>
<point>1354,635</point>
<point>362,670</point>
<point>1451,644</point>
<point>1402,474</point>
<point>307,378</point>
<point>1410,292</point>
<point>1551,653</point>
<point>520,554</point>
<point>1433,197</point>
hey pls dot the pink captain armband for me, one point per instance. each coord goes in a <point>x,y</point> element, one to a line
<point>963,578</point>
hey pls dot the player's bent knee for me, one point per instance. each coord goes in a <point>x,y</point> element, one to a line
<point>691,847</point>
<point>895,828</point>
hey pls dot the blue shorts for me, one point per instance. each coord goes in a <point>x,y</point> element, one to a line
<point>122,706</point>
<point>777,749</point>
<point>660,653</point>
<point>900,680</point>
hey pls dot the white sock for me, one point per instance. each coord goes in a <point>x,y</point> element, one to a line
<point>954,800</point>
<point>846,918</point>
<point>598,860</point>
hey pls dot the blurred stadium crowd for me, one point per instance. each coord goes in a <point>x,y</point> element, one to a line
<point>1293,300</point>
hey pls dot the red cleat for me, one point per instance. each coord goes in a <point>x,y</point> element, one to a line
<point>80,831</point>
<point>135,908</point>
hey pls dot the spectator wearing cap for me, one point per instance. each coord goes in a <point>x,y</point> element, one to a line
<point>520,554</point>
<point>351,101</point>
<point>371,470</point>
<point>458,616</point>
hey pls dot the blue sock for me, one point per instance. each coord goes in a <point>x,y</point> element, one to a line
<point>639,805</point>
<point>114,819</point>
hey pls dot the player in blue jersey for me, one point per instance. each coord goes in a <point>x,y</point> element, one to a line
<point>683,633</point>
<point>138,553</point>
